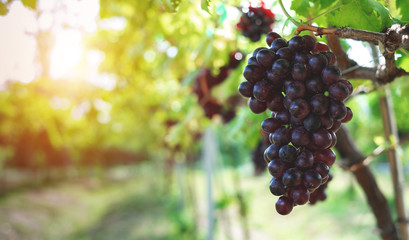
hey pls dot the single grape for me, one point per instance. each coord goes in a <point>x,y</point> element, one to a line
<point>300,136</point>
<point>269,125</point>
<point>270,37</point>
<point>266,57</point>
<point>321,138</point>
<point>348,84</point>
<point>274,78</point>
<point>321,168</point>
<point>335,127</point>
<point>334,139</point>
<point>286,53</point>
<point>292,177</point>
<point>300,195</point>
<point>258,50</point>
<point>320,47</point>
<point>312,122</point>
<point>253,73</point>
<point>319,104</point>
<point>331,57</point>
<point>297,43</point>
<point>256,106</point>
<point>314,85</point>
<point>337,110</point>
<point>271,152</point>
<point>348,117</point>
<point>330,75</point>
<point>281,67</point>
<point>309,42</point>
<point>278,43</point>
<point>317,62</point>
<point>287,153</point>
<point>284,116</point>
<point>300,72</point>
<point>275,103</point>
<point>282,136</point>
<point>304,160</point>
<point>263,90</point>
<point>296,122</point>
<point>253,61</point>
<point>312,179</point>
<point>338,91</point>
<point>295,89</point>
<point>326,121</point>
<point>246,89</point>
<point>277,167</point>
<point>277,188</point>
<point>299,108</point>
<point>326,156</point>
<point>302,57</point>
<point>284,205</point>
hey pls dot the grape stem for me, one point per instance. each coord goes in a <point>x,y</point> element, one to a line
<point>287,14</point>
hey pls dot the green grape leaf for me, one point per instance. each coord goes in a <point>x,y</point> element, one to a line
<point>301,7</point>
<point>3,9</point>
<point>205,4</point>
<point>403,6</point>
<point>403,62</point>
<point>366,15</point>
<point>30,3</point>
<point>323,3</point>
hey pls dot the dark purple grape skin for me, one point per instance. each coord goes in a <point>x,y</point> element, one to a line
<point>275,103</point>
<point>319,104</point>
<point>253,61</point>
<point>269,125</point>
<point>326,121</point>
<point>300,195</point>
<point>253,73</point>
<point>300,72</point>
<point>296,122</point>
<point>282,136</point>
<point>292,177</point>
<point>284,116</point>
<point>246,89</point>
<point>335,127</point>
<point>312,122</point>
<point>263,90</point>
<point>314,85</point>
<point>348,84</point>
<point>309,42</point>
<point>277,188</point>
<point>337,110</point>
<point>297,43</point>
<point>326,156</point>
<point>304,160</point>
<point>281,67</point>
<point>302,57</point>
<point>295,89</point>
<point>299,108</point>
<point>287,153</point>
<point>287,102</point>
<point>284,205</point>
<point>312,179</point>
<point>338,91</point>
<point>300,136</point>
<point>258,50</point>
<point>274,78</point>
<point>266,57</point>
<point>321,138</point>
<point>270,37</point>
<point>317,63</point>
<point>348,117</point>
<point>278,43</point>
<point>321,168</point>
<point>277,167</point>
<point>334,139</point>
<point>286,53</point>
<point>271,152</point>
<point>331,57</point>
<point>330,75</point>
<point>256,106</point>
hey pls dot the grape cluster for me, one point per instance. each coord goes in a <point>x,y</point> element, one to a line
<point>205,81</point>
<point>255,22</point>
<point>298,81</point>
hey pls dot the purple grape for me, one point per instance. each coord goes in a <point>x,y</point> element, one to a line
<point>319,104</point>
<point>271,152</point>
<point>296,89</point>
<point>286,53</point>
<point>296,122</point>
<point>348,117</point>
<point>312,179</point>
<point>263,90</point>
<point>314,85</point>
<point>246,89</point>
<point>287,153</point>
<point>258,50</point>
<point>277,188</point>
<point>266,57</point>
<point>321,168</point>
<point>309,42</point>
<point>331,57</point>
<point>302,57</point>
<point>274,78</point>
<point>337,110</point>
<point>335,127</point>
<point>253,61</point>
<point>278,43</point>
<point>317,62</point>
<point>326,156</point>
<point>300,137</point>
<point>277,167</point>
<point>269,125</point>
<point>282,136</point>
<point>284,116</point>
<point>275,103</point>
<point>312,122</point>
<point>299,108</point>
<point>284,205</point>
<point>300,195</point>
<point>256,106</point>
<point>348,84</point>
<point>270,37</point>
<point>326,121</point>
<point>287,102</point>
<point>330,75</point>
<point>281,67</point>
<point>292,177</point>
<point>300,72</point>
<point>338,91</point>
<point>321,138</point>
<point>304,160</point>
<point>297,43</point>
<point>334,139</point>
<point>253,73</point>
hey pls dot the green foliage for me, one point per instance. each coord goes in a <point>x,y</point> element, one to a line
<point>403,7</point>
<point>30,3</point>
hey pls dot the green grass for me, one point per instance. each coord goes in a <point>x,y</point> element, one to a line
<point>136,203</point>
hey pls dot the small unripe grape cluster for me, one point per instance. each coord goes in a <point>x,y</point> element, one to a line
<point>255,22</point>
<point>205,81</point>
<point>298,81</point>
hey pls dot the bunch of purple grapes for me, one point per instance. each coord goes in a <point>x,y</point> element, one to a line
<point>305,92</point>
<point>205,81</point>
<point>255,22</point>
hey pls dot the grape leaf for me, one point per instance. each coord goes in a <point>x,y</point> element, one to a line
<point>301,7</point>
<point>403,62</point>
<point>366,15</point>
<point>30,3</point>
<point>403,6</point>
<point>205,4</point>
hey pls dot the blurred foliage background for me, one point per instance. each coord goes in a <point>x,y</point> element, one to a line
<point>102,137</point>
